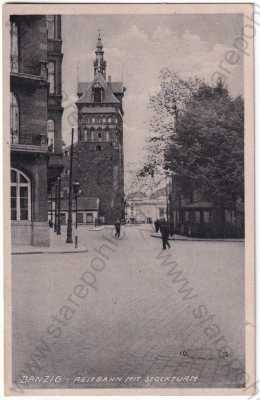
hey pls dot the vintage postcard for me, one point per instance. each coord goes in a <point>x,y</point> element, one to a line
<point>129,199</point>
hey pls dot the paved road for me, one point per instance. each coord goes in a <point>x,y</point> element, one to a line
<point>140,317</point>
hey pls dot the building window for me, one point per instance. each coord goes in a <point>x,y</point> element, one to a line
<point>85,138</point>
<point>89,218</point>
<point>63,218</point>
<point>50,135</point>
<point>14,48</point>
<point>98,147</point>
<point>20,196</point>
<point>104,120</point>
<point>97,95</point>
<point>161,212</point>
<point>99,136</point>
<point>51,26</point>
<point>197,216</point>
<point>51,77</point>
<point>109,119</point>
<point>206,216</point>
<point>80,218</point>
<point>107,136</point>
<point>93,120</point>
<point>14,119</point>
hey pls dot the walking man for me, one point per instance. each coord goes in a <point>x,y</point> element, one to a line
<point>118,228</point>
<point>164,228</point>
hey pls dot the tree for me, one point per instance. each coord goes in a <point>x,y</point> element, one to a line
<point>166,105</point>
<point>208,149</point>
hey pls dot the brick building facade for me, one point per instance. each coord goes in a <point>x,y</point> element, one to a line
<point>98,156</point>
<point>33,150</point>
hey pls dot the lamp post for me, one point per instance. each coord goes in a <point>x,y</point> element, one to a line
<point>51,222</point>
<point>55,209</point>
<point>58,231</point>
<point>76,191</point>
<point>69,226</point>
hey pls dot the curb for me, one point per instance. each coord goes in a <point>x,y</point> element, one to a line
<point>189,239</point>
<point>15,253</point>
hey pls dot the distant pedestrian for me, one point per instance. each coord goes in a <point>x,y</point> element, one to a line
<point>118,228</point>
<point>157,225</point>
<point>164,228</point>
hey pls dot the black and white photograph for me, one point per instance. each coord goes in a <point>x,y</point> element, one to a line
<point>129,148</point>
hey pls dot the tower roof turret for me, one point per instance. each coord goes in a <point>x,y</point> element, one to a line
<point>99,63</point>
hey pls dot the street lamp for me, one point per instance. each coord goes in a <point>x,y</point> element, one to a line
<point>69,226</point>
<point>58,206</point>
<point>51,221</point>
<point>77,192</point>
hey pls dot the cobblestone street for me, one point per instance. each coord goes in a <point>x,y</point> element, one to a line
<point>139,318</point>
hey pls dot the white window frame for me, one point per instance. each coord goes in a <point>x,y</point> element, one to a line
<point>18,185</point>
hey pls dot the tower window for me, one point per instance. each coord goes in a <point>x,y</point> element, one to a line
<point>98,147</point>
<point>97,95</point>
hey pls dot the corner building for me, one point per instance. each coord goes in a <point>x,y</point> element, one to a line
<point>35,123</point>
<point>99,159</point>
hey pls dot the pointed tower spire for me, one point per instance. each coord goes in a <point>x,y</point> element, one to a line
<point>99,63</point>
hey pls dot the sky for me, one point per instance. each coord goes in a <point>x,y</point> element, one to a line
<point>136,48</point>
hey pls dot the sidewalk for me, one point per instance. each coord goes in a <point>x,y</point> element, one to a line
<point>58,245</point>
<point>192,239</point>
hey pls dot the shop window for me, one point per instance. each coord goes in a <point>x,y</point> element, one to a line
<point>20,196</point>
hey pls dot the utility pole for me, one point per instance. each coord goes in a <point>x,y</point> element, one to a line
<point>69,225</point>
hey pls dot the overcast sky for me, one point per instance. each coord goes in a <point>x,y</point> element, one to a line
<point>136,49</point>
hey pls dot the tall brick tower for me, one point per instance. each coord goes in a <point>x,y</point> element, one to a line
<point>99,158</point>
